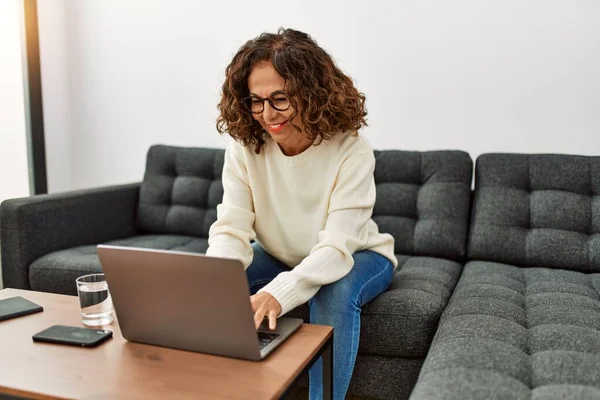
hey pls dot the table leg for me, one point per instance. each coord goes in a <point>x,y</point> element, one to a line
<point>327,357</point>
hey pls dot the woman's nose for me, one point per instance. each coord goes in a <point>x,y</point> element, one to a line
<point>269,113</point>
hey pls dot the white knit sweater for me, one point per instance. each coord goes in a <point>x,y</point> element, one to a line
<point>311,211</point>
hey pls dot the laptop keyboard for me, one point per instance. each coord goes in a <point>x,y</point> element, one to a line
<point>264,338</point>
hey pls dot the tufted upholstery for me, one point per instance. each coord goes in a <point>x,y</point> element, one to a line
<point>422,198</point>
<point>537,210</point>
<point>516,333</point>
<point>530,330</point>
<point>423,201</point>
<point>181,190</point>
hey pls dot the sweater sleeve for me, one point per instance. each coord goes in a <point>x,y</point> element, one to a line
<point>230,235</point>
<point>346,231</point>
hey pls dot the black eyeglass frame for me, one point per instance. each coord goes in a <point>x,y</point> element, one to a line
<point>247,102</point>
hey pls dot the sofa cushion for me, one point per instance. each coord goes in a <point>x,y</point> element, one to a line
<point>381,377</point>
<point>180,190</point>
<point>56,272</point>
<point>423,200</point>
<point>512,332</point>
<point>537,210</point>
<point>401,322</point>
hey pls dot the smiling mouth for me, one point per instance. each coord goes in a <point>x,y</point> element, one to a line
<point>277,127</point>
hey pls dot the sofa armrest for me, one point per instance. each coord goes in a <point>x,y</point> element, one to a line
<point>34,226</point>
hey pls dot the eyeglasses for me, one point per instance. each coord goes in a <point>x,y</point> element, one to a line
<point>256,105</point>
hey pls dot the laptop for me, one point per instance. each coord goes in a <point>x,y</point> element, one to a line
<point>187,301</point>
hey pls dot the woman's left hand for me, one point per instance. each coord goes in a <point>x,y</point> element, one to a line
<point>265,305</point>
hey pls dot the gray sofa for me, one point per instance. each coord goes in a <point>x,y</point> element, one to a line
<point>523,320</point>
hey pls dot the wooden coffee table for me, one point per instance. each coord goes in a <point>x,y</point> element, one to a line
<point>122,369</point>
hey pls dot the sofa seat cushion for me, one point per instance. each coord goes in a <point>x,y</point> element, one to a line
<point>512,332</point>
<point>402,321</point>
<point>56,272</point>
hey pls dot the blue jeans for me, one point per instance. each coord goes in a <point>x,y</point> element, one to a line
<point>337,304</point>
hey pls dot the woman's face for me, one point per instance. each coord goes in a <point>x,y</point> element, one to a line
<point>264,82</point>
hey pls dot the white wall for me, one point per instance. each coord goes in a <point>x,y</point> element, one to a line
<point>14,175</point>
<point>14,171</point>
<point>495,75</point>
<point>54,29</point>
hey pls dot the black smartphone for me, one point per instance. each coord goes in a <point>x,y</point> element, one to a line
<point>17,306</point>
<point>73,336</point>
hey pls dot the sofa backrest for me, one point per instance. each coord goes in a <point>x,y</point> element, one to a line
<point>537,210</point>
<point>180,190</point>
<point>423,200</point>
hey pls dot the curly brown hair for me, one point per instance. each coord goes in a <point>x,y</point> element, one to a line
<point>327,97</point>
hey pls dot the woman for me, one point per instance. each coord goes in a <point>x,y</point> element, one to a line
<point>298,180</point>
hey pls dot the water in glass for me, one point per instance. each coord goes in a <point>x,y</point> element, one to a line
<point>96,304</point>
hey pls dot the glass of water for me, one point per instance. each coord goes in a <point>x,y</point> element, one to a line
<point>94,298</point>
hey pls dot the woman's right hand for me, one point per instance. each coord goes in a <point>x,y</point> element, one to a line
<point>265,305</point>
